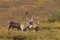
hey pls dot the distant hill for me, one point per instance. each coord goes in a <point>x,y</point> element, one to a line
<point>16,9</point>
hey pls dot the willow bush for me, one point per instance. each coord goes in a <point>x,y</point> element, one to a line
<point>55,17</point>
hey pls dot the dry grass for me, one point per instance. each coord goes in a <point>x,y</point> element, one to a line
<point>16,9</point>
<point>42,35</point>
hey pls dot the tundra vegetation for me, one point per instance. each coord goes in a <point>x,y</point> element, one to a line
<point>46,16</point>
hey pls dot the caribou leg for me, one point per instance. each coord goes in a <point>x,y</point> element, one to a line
<point>9,28</point>
<point>19,29</point>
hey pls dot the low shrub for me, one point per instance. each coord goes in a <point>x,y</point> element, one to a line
<point>55,17</point>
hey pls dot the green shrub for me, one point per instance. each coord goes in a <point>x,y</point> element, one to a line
<point>26,37</point>
<point>21,37</point>
<point>55,17</point>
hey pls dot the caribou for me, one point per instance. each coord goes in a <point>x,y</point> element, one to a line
<point>30,25</point>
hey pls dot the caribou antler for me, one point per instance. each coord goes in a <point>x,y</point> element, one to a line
<point>32,18</point>
<point>27,19</point>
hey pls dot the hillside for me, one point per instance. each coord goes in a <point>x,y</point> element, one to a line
<point>16,9</point>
